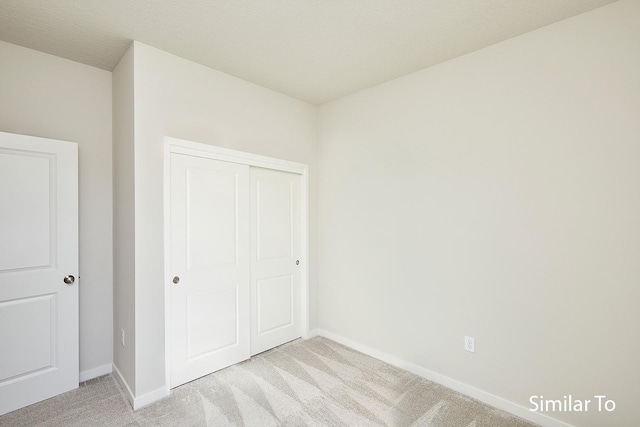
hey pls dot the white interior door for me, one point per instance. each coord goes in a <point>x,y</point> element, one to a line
<point>38,252</point>
<point>210,263</point>
<point>275,254</point>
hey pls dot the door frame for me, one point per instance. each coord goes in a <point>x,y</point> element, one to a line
<point>181,146</point>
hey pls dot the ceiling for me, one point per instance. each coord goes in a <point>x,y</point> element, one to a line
<point>313,50</point>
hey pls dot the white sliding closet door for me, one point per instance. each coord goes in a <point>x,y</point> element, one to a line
<point>235,251</point>
<point>210,308</point>
<point>275,254</point>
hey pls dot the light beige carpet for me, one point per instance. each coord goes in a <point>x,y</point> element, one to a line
<point>314,382</point>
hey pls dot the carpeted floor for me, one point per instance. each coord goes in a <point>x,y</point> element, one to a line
<point>314,382</point>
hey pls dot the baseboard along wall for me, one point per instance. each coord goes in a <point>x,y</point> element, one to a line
<point>481,395</point>
<point>140,401</point>
<point>124,385</point>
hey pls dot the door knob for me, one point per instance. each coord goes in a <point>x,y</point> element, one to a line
<point>69,279</point>
<point>176,280</point>
<point>297,262</point>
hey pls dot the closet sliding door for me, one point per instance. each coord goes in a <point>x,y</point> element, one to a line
<point>210,307</point>
<point>235,273</point>
<point>275,254</point>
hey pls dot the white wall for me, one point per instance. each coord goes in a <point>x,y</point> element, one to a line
<point>51,97</point>
<point>496,195</point>
<point>123,219</point>
<point>176,97</point>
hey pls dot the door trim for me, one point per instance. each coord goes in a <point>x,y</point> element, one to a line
<point>198,149</point>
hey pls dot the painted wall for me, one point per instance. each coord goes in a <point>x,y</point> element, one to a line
<point>496,195</point>
<point>123,219</point>
<point>51,97</point>
<point>178,98</point>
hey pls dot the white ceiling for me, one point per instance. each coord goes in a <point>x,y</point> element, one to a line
<point>313,50</point>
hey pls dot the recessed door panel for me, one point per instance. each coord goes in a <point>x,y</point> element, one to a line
<point>274,302</point>
<point>212,227</point>
<point>28,327</point>
<point>274,213</point>
<point>212,321</point>
<point>38,249</point>
<point>25,221</point>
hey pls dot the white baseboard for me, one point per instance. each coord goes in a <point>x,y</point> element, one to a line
<point>314,332</point>
<point>124,385</point>
<point>149,398</point>
<point>481,395</point>
<point>141,401</point>
<point>95,372</point>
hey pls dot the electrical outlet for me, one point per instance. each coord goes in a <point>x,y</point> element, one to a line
<point>470,344</point>
<point>122,337</point>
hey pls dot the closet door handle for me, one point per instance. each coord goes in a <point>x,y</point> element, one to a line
<point>176,280</point>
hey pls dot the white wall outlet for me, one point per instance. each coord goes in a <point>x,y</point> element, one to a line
<point>122,337</point>
<point>470,344</point>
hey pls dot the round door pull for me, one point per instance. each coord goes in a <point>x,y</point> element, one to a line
<point>69,280</point>
<point>176,280</point>
<point>297,262</point>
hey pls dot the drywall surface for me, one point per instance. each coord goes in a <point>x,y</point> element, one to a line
<point>123,219</point>
<point>497,196</point>
<point>51,97</point>
<point>178,98</point>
